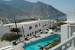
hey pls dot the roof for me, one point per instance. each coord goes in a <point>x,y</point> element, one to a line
<point>22,23</point>
<point>44,20</point>
<point>69,22</point>
<point>12,25</point>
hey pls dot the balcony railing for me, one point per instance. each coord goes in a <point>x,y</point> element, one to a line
<point>66,44</point>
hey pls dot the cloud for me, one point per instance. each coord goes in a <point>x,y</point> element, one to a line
<point>6,0</point>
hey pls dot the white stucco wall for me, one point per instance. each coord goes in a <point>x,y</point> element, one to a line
<point>64,33</point>
<point>71,16</point>
<point>67,31</point>
<point>1,23</point>
<point>26,28</point>
<point>27,31</point>
<point>3,30</point>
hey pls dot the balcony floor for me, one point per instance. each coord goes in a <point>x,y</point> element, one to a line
<point>71,48</point>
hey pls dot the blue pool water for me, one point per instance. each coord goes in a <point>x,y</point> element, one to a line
<point>42,42</point>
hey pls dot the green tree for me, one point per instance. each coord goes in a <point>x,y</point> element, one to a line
<point>10,36</point>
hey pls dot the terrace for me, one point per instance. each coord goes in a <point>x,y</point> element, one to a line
<point>69,44</point>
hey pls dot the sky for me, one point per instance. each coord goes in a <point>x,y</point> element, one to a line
<point>62,5</point>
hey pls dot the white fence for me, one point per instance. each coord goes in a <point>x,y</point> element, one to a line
<point>66,44</point>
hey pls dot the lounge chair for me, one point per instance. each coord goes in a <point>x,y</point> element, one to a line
<point>35,36</point>
<point>26,38</point>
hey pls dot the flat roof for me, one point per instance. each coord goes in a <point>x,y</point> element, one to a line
<point>69,21</point>
<point>23,23</point>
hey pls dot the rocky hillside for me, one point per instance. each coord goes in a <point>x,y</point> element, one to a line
<point>25,8</point>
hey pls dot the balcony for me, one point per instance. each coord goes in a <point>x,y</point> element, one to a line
<point>69,44</point>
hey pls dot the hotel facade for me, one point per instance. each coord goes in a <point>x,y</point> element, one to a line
<point>28,29</point>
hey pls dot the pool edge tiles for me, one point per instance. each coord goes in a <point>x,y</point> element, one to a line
<point>43,41</point>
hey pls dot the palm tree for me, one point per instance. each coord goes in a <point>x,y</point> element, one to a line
<point>16,28</point>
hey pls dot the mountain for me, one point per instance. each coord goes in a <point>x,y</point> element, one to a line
<point>25,8</point>
<point>8,11</point>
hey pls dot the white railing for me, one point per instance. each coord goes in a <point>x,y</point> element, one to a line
<point>66,44</point>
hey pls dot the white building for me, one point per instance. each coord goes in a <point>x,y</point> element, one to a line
<point>69,28</point>
<point>71,16</point>
<point>28,29</point>
<point>3,29</point>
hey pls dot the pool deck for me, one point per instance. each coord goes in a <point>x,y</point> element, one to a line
<point>21,44</point>
<point>4,43</point>
<point>31,40</point>
<point>41,36</point>
<point>34,39</point>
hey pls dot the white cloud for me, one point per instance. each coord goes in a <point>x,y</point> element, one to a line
<point>6,0</point>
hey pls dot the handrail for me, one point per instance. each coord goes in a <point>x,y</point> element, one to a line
<point>63,43</point>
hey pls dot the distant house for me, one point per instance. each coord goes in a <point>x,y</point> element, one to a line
<point>3,30</point>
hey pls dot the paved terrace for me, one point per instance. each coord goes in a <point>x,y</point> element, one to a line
<point>39,37</point>
<point>4,43</point>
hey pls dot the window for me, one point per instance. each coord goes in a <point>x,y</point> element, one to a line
<point>36,31</point>
<point>39,30</point>
<point>9,26</point>
<point>39,24</point>
<point>15,29</point>
<point>27,34</point>
<point>30,27</point>
<point>30,34</point>
<point>24,35</point>
<point>36,25</point>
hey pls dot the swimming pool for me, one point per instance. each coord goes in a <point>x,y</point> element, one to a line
<point>42,42</point>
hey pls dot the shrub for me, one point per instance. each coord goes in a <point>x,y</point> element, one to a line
<point>54,43</point>
<point>60,23</point>
<point>10,36</point>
